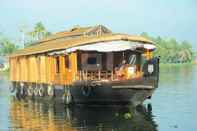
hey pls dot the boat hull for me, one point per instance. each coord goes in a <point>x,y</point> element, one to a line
<point>104,92</point>
<point>123,92</point>
<point>108,95</point>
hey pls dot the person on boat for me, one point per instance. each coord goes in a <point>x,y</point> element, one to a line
<point>121,70</point>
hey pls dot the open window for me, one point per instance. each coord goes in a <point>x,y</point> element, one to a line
<point>91,61</point>
<point>67,62</point>
<point>57,64</point>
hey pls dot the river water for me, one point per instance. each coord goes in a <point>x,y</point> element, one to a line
<point>172,108</point>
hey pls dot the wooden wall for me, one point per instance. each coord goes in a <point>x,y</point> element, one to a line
<point>67,73</point>
<point>43,69</point>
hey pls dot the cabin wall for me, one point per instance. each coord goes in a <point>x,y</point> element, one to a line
<point>13,72</point>
<point>109,62</point>
<point>48,68</point>
<point>17,69</point>
<point>23,69</point>
<point>62,70</point>
<point>74,65</point>
<point>52,70</point>
<point>33,69</point>
<point>57,70</point>
<point>67,69</point>
<point>44,69</point>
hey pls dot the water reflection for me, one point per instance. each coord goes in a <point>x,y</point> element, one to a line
<point>174,75</point>
<point>32,115</point>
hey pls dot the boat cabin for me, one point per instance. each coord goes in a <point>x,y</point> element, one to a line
<point>82,54</point>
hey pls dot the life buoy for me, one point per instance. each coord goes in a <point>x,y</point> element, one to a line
<point>30,91</point>
<point>68,97</point>
<point>41,91</point>
<point>36,91</point>
<point>12,88</point>
<point>50,90</point>
<point>22,90</point>
<point>86,90</point>
<point>18,92</point>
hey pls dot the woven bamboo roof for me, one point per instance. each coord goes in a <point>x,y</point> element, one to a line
<point>58,42</point>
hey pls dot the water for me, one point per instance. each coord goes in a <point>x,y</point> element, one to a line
<point>173,109</point>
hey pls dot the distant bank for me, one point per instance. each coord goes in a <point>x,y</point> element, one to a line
<point>4,65</point>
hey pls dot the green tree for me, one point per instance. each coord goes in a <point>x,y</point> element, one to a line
<point>7,47</point>
<point>39,32</point>
<point>186,53</point>
<point>172,51</point>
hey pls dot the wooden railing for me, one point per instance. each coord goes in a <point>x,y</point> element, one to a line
<point>105,75</point>
<point>95,75</point>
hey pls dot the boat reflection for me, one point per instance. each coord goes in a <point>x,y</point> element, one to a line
<point>32,115</point>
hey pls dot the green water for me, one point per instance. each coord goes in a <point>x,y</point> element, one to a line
<point>173,109</point>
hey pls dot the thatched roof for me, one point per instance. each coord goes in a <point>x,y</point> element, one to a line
<point>64,40</point>
<point>77,31</point>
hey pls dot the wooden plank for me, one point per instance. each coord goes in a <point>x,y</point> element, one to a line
<point>74,65</point>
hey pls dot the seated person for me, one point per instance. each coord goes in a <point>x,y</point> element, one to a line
<point>121,70</point>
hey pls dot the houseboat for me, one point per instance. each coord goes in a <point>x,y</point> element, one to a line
<point>87,65</point>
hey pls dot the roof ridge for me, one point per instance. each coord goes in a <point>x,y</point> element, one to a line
<point>69,33</point>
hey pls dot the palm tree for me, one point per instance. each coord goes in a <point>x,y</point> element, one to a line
<point>39,32</point>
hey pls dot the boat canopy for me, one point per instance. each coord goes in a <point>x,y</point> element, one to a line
<point>111,46</point>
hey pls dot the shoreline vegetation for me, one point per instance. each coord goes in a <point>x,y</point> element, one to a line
<point>4,72</point>
<point>171,52</point>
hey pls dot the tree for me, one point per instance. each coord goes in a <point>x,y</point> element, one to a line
<point>7,47</point>
<point>39,32</point>
<point>172,51</point>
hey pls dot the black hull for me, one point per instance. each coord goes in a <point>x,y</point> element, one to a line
<point>115,92</point>
<point>124,92</point>
<point>107,95</point>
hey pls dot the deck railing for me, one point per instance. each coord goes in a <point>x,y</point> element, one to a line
<point>105,75</point>
<point>95,75</point>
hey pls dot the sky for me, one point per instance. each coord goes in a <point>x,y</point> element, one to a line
<point>165,18</point>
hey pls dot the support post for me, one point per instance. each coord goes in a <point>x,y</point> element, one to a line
<point>99,74</point>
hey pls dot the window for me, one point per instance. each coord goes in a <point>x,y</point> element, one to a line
<point>132,59</point>
<point>92,60</point>
<point>57,61</point>
<point>67,62</point>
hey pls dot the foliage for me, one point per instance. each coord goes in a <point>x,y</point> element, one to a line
<point>39,32</point>
<point>172,51</point>
<point>7,47</point>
